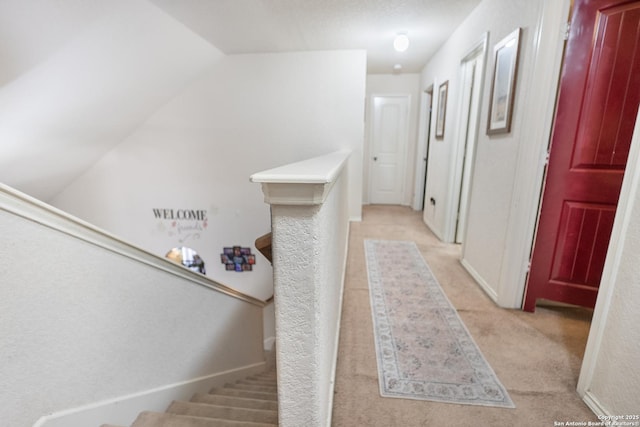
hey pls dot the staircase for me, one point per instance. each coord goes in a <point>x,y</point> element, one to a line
<point>252,402</point>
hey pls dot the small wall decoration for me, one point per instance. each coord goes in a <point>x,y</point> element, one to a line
<point>442,109</point>
<point>505,70</point>
<point>238,259</point>
<point>181,224</point>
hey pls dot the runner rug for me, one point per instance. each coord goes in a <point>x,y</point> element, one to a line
<point>424,351</point>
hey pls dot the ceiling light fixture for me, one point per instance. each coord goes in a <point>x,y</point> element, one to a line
<point>401,42</point>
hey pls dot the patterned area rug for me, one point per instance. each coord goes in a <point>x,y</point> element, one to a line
<point>424,351</point>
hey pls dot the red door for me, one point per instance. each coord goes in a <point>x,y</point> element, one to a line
<point>596,110</point>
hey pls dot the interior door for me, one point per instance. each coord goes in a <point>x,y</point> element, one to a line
<point>389,138</point>
<point>596,110</point>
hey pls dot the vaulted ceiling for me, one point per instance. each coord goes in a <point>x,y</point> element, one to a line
<point>69,68</point>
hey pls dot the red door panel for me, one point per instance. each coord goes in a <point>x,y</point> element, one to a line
<point>597,106</point>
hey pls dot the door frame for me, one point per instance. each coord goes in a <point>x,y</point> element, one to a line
<point>465,112</point>
<point>405,148</point>
<point>422,148</point>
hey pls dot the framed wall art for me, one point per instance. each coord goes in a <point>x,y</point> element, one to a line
<point>442,109</point>
<point>237,258</point>
<point>505,71</point>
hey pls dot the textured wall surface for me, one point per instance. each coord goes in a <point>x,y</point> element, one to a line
<point>309,255</point>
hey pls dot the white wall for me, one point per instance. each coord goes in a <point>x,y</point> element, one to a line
<point>87,330</point>
<point>249,113</point>
<point>610,379</point>
<point>88,89</point>
<point>490,201</point>
<point>394,84</point>
<point>507,173</point>
<point>496,155</point>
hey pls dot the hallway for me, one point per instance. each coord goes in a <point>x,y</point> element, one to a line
<point>537,357</point>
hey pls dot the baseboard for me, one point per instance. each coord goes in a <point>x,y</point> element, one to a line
<point>123,410</point>
<point>479,280</point>
<point>594,404</point>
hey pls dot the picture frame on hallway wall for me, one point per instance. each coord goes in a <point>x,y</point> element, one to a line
<point>503,84</point>
<point>442,109</point>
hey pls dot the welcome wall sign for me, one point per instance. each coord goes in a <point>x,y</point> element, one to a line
<point>183,224</point>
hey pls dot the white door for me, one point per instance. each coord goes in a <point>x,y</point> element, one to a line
<point>471,100</point>
<point>389,138</point>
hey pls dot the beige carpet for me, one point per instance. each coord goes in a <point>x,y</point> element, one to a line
<point>536,356</point>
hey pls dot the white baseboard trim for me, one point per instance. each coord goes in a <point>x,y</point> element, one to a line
<point>594,404</point>
<point>479,280</point>
<point>123,410</point>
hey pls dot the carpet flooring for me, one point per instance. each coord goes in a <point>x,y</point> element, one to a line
<point>424,351</point>
<point>537,356</point>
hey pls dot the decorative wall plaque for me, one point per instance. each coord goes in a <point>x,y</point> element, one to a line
<point>181,224</point>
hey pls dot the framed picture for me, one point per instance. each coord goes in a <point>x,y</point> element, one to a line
<point>505,71</point>
<point>442,109</point>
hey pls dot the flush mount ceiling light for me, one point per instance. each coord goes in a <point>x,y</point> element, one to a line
<point>401,42</point>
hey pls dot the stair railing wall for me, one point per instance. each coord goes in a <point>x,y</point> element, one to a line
<point>95,330</point>
<point>310,226</point>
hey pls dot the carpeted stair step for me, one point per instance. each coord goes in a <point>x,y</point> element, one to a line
<point>266,383</point>
<point>223,412</point>
<point>225,391</point>
<point>157,419</point>
<point>234,401</point>
<point>251,402</point>
<point>252,387</point>
<point>271,375</point>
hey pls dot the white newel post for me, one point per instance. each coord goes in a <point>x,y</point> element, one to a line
<point>310,226</point>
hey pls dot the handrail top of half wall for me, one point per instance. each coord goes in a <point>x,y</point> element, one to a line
<point>307,182</point>
<point>30,208</point>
